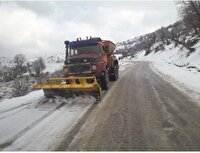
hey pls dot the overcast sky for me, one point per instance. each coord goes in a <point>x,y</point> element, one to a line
<point>40,28</point>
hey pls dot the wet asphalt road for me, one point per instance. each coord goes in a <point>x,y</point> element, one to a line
<point>141,112</point>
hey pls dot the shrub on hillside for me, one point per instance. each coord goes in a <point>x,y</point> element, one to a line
<point>21,86</point>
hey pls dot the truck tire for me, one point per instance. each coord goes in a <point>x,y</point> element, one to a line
<point>104,81</point>
<point>110,78</point>
<point>114,77</point>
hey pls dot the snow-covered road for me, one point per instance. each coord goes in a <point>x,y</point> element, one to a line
<point>142,111</point>
<point>31,123</point>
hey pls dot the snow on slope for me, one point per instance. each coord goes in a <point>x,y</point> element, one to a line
<point>52,67</point>
<point>174,63</point>
<point>123,65</point>
<point>52,63</point>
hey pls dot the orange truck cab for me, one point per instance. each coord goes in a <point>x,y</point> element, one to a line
<point>91,57</point>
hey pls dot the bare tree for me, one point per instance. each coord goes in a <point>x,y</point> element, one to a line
<point>189,12</point>
<point>38,66</point>
<point>177,36</point>
<point>30,68</point>
<point>20,66</point>
<point>162,35</point>
<point>148,42</point>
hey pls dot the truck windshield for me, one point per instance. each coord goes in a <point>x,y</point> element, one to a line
<point>84,50</point>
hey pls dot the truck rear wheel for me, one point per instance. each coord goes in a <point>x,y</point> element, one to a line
<point>104,81</point>
<point>114,76</point>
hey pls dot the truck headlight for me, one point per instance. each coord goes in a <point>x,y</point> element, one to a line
<point>94,67</point>
<point>65,71</point>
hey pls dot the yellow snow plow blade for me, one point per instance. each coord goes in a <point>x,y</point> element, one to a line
<point>69,86</point>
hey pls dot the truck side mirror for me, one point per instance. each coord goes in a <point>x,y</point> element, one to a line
<point>66,42</point>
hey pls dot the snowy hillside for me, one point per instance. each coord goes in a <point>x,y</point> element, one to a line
<point>9,81</point>
<point>5,61</point>
<point>175,56</point>
<point>175,64</point>
<point>52,62</point>
<point>173,50</point>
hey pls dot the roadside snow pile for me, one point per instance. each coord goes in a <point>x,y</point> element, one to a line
<point>175,63</point>
<point>32,97</point>
<point>127,59</point>
<point>35,97</point>
<point>118,56</point>
<point>123,65</point>
<point>33,122</point>
<point>85,99</point>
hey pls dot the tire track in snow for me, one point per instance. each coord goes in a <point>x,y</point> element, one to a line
<point>70,135</point>
<point>13,113</point>
<point>32,125</point>
<point>5,111</point>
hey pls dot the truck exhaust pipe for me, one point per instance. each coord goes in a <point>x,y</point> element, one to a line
<point>67,48</point>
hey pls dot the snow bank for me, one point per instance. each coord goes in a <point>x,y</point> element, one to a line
<point>175,63</point>
<point>32,122</point>
<point>32,97</point>
<point>118,55</point>
<point>123,65</point>
<point>51,131</point>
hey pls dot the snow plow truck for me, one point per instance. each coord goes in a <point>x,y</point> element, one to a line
<point>89,66</point>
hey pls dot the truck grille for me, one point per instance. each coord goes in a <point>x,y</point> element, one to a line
<point>79,69</point>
